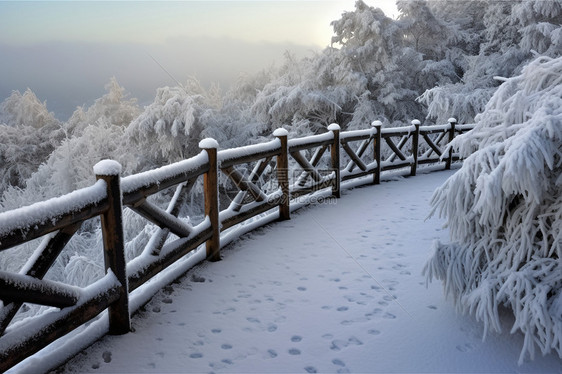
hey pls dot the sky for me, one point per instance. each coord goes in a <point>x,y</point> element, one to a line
<point>66,51</point>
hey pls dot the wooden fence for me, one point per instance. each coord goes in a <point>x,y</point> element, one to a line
<point>299,166</point>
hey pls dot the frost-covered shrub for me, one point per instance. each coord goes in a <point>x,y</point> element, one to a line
<point>504,211</point>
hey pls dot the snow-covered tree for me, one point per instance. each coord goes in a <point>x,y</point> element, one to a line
<point>115,108</point>
<point>28,134</point>
<point>504,211</point>
<point>506,34</point>
<point>88,137</point>
<point>26,109</point>
<point>168,129</point>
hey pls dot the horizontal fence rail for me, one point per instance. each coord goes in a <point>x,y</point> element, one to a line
<point>263,177</point>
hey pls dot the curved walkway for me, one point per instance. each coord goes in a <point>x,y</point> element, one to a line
<point>335,289</point>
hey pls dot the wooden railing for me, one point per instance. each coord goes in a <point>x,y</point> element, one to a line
<point>297,167</point>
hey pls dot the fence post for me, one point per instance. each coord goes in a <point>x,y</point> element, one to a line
<point>377,126</point>
<point>415,144</point>
<point>114,244</point>
<point>283,173</point>
<point>335,153</point>
<point>452,122</point>
<point>210,185</point>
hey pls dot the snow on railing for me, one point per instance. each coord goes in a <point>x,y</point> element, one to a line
<point>284,172</point>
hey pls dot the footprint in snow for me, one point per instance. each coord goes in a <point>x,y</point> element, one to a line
<point>168,290</point>
<point>106,357</point>
<point>338,362</point>
<point>197,279</point>
<point>338,344</point>
<point>296,338</point>
<point>389,316</point>
<point>353,340</point>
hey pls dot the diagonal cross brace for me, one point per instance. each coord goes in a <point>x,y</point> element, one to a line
<point>244,184</point>
<point>397,149</point>
<point>307,166</point>
<point>356,159</point>
<point>256,173</point>
<point>314,162</point>
<point>37,267</point>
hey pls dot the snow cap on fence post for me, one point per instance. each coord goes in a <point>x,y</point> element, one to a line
<point>375,126</point>
<point>208,143</point>
<point>334,127</point>
<point>416,122</point>
<point>107,167</point>
<point>452,120</point>
<point>280,132</point>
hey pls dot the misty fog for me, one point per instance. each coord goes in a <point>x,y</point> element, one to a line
<point>71,74</point>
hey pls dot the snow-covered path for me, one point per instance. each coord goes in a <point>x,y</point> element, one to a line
<point>338,288</point>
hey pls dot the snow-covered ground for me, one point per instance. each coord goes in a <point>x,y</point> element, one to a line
<point>338,288</point>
